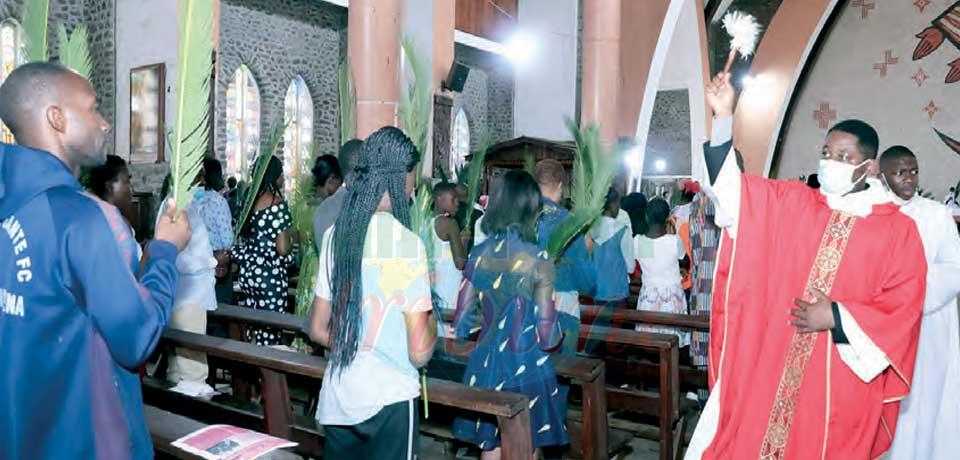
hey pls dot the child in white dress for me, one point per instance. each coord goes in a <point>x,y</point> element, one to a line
<point>660,256</point>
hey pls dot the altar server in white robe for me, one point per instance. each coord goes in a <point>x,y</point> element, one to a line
<point>929,423</point>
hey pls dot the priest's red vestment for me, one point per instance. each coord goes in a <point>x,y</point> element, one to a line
<point>787,395</point>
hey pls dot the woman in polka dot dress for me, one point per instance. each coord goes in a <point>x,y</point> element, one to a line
<point>512,282</point>
<point>264,253</point>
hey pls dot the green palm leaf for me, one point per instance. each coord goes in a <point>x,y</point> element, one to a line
<point>415,102</point>
<point>75,50</point>
<point>529,160</point>
<point>35,13</point>
<point>348,102</point>
<point>259,169</point>
<point>594,168</point>
<point>191,109</point>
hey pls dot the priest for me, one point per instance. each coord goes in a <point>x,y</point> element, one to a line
<point>817,304</point>
<point>930,416</point>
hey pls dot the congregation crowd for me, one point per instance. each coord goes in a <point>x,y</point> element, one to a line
<point>736,248</point>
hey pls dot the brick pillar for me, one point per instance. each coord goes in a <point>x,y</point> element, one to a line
<point>373,28</point>
<point>600,88</point>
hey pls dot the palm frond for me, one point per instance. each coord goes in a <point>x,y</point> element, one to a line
<point>34,22</point>
<point>475,174</point>
<point>75,50</point>
<point>594,168</point>
<point>415,101</point>
<point>348,103</point>
<point>529,161</point>
<point>309,266</point>
<point>301,209</point>
<point>191,110</point>
<point>259,169</point>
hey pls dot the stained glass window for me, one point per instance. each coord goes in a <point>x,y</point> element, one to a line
<point>12,54</point>
<point>243,122</point>
<point>459,141</point>
<point>298,137</point>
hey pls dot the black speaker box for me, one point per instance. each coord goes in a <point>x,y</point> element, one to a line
<point>457,77</point>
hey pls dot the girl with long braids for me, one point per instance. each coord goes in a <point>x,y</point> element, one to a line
<point>373,309</point>
<point>263,252</point>
<point>512,282</point>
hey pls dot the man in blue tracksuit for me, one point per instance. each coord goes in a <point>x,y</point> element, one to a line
<point>74,322</point>
<point>575,274</point>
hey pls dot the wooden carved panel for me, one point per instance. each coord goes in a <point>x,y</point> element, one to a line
<point>442,122</point>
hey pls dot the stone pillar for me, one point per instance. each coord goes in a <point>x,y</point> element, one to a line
<point>600,87</point>
<point>373,28</point>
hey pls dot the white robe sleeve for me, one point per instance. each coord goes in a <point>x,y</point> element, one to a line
<point>726,189</point>
<point>943,273</point>
<point>861,355</point>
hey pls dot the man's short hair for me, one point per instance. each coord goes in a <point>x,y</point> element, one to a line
<point>867,140</point>
<point>895,153</point>
<point>549,172</point>
<point>26,88</point>
<point>444,187</point>
<point>347,156</point>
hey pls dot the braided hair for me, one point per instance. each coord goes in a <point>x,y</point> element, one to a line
<point>269,184</point>
<point>387,156</point>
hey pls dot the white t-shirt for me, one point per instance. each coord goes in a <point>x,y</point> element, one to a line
<point>396,280</point>
<point>658,259</point>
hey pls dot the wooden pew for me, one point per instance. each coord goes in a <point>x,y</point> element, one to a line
<point>166,427</point>
<point>691,378</point>
<point>588,374</point>
<point>589,314</point>
<point>665,404</point>
<point>278,420</point>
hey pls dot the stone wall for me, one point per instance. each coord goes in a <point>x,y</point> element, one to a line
<point>98,15</point>
<point>669,138</point>
<point>278,40</point>
<point>487,96</point>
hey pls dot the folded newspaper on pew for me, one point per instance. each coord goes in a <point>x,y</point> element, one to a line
<point>225,442</point>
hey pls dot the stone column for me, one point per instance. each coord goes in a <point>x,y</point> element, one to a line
<point>373,27</point>
<point>600,87</point>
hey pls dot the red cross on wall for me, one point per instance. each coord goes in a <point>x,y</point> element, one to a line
<point>920,77</point>
<point>921,4</point>
<point>864,6</point>
<point>931,109</point>
<point>888,60</point>
<point>824,115</point>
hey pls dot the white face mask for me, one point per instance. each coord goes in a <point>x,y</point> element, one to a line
<point>836,176</point>
<point>893,196</point>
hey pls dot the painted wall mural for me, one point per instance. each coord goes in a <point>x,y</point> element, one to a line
<point>947,25</point>
<point>893,64</point>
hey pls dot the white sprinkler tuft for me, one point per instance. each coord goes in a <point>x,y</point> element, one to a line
<point>743,30</point>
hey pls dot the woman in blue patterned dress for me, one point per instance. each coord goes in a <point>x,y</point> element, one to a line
<point>513,285</point>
